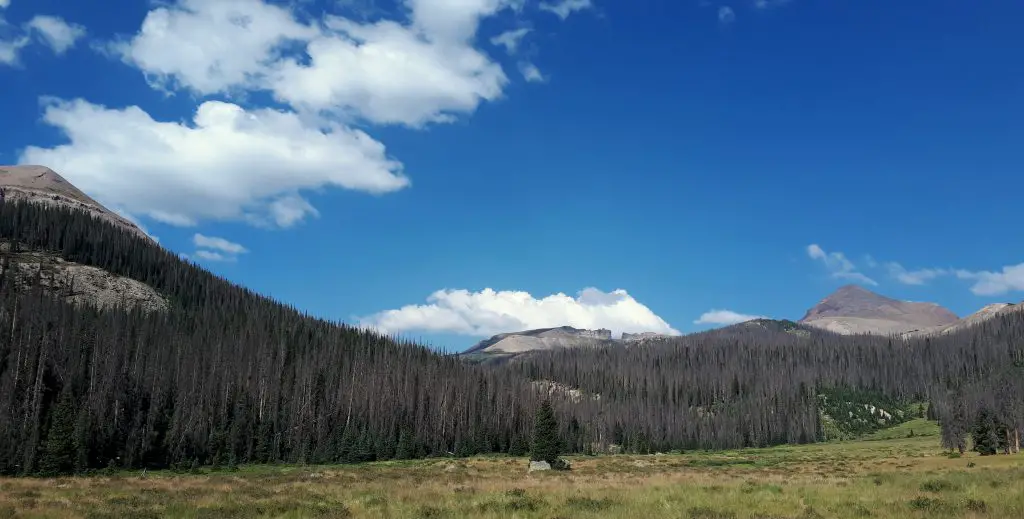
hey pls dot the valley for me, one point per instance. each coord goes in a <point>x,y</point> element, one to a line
<point>134,383</point>
<point>887,477</point>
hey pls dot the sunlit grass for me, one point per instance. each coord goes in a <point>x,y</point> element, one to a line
<point>874,478</point>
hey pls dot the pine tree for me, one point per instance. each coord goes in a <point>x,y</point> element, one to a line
<point>59,452</point>
<point>518,447</point>
<point>406,449</point>
<point>546,442</point>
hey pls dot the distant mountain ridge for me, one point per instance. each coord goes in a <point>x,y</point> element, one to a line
<point>850,310</point>
<point>559,337</point>
<point>854,310</point>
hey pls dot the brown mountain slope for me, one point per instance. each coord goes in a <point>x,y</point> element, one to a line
<point>43,185</point>
<point>855,310</point>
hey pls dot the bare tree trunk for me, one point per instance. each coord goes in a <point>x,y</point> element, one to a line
<point>1016,441</point>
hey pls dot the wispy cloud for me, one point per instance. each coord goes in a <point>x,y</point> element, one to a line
<point>726,15</point>
<point>510,39</point>
<point>914,277</point>
<point>212,248</point>
<point>564,8</point>
<point>769,4</point>
<point>530,72</point>
<point>838,265</point>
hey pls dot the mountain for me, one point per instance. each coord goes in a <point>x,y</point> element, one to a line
<point>988,312</point>
<point>43,185</point>
<point>515,343</point>
<point>855,310</point>
<point>222,375</point>
<point>74,282</point>
<point>542,339</point>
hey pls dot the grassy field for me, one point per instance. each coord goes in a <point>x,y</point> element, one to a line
<point>889,475</point>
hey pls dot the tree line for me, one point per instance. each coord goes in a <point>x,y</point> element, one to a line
<point>226,376</point>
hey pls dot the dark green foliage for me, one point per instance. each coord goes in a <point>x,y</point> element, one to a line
<point>547,445</point>
<point>858,412</point>
<point>60,452</point>
<point>988,434</point>
<point>519,447</point>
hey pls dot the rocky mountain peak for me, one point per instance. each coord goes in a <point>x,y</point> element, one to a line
<point>40,184</point>
<point>853,309</point>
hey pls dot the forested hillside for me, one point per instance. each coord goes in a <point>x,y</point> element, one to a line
<point>226,376</point>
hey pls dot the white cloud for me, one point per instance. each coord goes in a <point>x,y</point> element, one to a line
<point>914,277</point>
<point>219,244</point>
<point>9,49</point>
<point>725,317</point>
<point>59,35</point>
<point>383,72</point>
<point>211,46</point>
<point>387,73</point>
<point>530,72</point>
<point>214,256</point>
<point>726,15</point>
<point>226,164</point>
<point>510,39</point>
<point>53,31</point>
<point>838,265</point>
<point>491,312</point>
<point>986,283</point>
<point>564,8</point>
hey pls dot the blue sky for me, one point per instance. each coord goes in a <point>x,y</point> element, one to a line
<point>451,169</point>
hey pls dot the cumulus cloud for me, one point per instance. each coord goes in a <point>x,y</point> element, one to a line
<point>530,72</point>
<point>986,283</point>
<point>914,277</point>
<point>228,163</point>
<point>510,39</point>
<point>235,161</point>
<point>491,312</point>
<point>211,46</point>
<point>725,317</point>
<point>4,3</point>
<point>726,15</point>
<point>564,8</point>
<point>387,73</point>
<point>384,72</point>
<point>58,34</point>
<point>838,265</point>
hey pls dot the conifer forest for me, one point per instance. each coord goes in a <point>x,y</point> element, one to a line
<point>225,376</point>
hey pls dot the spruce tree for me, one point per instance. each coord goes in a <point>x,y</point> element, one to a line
<point>546,443</point>
<point>59,452</point>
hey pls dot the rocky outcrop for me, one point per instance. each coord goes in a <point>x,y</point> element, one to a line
<point>81,284</point>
